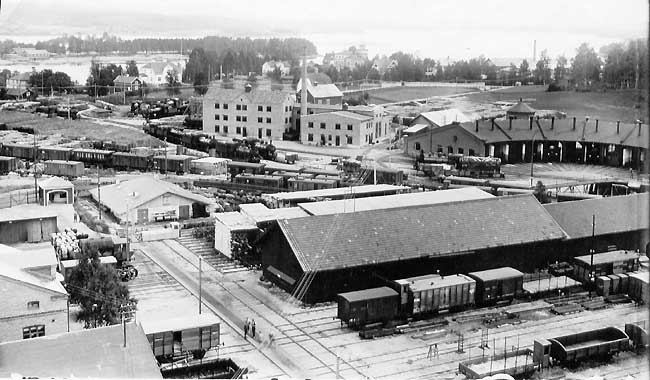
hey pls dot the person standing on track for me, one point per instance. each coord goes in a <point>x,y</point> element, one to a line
<point>246,328</point>
<point>253,328</point>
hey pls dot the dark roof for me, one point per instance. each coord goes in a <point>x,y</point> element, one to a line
<point>329,242</point>
<point>255,96</point>
<point>369,294</point>
<point>521,107</point>
<point>613,215</point>
<point>124,79</point>
<point>585,131</point>
<point>93,353</point>
<point>496,274</point>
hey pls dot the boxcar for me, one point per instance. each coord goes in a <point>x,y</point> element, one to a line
<point>306,184</point>
<point>270,182</point>
<point>64,168</point>
<point>604,264</point>
<point>93,156</point>
<point>638,287</point>
<point>7,164</point>
<point>434,293</point>
<point>180,336</point>
<point>172,163</point>
<point>236,167</point>
<point>54,153</point>
<point>496,285</point>
<point>25,152</point>
<point>133,161</point>
<point>363,307</point>
<point>588,344</point>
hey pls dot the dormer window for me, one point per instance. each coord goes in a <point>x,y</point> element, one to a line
<point>33,305</point>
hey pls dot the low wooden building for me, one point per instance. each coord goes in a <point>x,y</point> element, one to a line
<point>26,223</point>
<point>56,190</point>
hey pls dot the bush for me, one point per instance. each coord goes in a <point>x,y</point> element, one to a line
<point>554,87</point>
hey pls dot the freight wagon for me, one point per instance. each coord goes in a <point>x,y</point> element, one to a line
<point>604,264</point>
<point>306,184</point>
<point>497,285</point>
<point>600,343</point>
<point>269,182</point>
<point>133,161</point>
<point>434,293</point>
<point>173,163</point>
<point>26,152</point>
<point>177,338</point>
<point>54,153</point>
<point>638,333</point>
<point>638,287</point>
<point>93,156</point>
<point>7,164</point>
<point>363,307</point>
<point>70,169</point>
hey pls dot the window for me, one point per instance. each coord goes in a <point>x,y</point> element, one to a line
<point>268,132</point>
<point>237,118</point>
<point>268,108</point>
<point>225,129</point>
<point>417,146</point>
<point>33,331</point>
<point>244,118</point>
<point>322,125</point>
<point>329,137</point>
<point>244,107</point>
<point>439,149</point>
<point>348,139</point>
<point>225,117</point>
<point>286,120</point>
<point>338,140</point>
<point>260,119</point>
<point>225,106</point>
<point>471,152</point>
<point>310,137</point>
<point>260,108</point>
<point>216,106</point>
<point>216,117</point>
<point>216,128</point>
<point>450,149</point>
<point>349,127</point>
<point>238,130</point>
<point>238,107</point>
<point>461,151</point>
<point>310,124</point>
<point>337,126</point>
<point>286,108</point>
<point>33,305</point>
<point>268,120</point>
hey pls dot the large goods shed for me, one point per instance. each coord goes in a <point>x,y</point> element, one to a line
<point>343,252</point>
<point>26,223</point>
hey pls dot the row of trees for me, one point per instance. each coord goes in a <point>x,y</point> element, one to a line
<point>103,76</point>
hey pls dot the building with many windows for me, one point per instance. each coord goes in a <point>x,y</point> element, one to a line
<point>34,302</point>
<point>260,113</point>
<point>337,128</point>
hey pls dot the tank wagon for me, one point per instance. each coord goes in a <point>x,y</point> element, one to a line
<point>363,307</point>
<point>497,285</point>
<point>178,338</point>
<point>600,343</point>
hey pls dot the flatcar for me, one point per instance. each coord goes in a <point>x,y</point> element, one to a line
<point>54,153</point>
<point>23,151</point>
<point>363,307</point>
<point>497,285</point>
<point>7,164</point>
<point>177,338</point>
<point>71,169</point>
<point>93,156</point>
<point>434,293</point>
<point>133,161</point>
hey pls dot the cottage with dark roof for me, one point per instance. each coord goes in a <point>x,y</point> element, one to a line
<point>259,113</point>
<point>319,256</point>
<point>125,83</point>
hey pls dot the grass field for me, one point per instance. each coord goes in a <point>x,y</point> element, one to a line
<point>78,129</point>
<point>611,105</point>
<point>400,94</point>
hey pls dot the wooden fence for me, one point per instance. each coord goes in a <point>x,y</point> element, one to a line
<point>17,197</point>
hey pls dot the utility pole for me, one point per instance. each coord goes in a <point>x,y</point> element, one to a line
<point>35,160</point>
<point>592,251</point>
<point>200,283</point>
<point>99,196</point>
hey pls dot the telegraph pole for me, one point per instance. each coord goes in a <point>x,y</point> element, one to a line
<point>200,283</point>
<point>99,196</point>
<point>592,251</point>
<point>35,159</point>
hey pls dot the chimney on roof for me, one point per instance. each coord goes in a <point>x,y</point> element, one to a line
<point>574,123</point>
<point>492,129</point>
<point>476,125</point>
<point>596,125</point>
<point>345,106</point>
<point>521,100</point>
<point>510,122</point>
<point>531,123</point>
<point>639,127</point>
<point>315,83</point>
<point>248,87</point>
<point>618,127</point>
<point>552,122</point>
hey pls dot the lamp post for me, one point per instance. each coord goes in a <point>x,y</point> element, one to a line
<point>532,158</point>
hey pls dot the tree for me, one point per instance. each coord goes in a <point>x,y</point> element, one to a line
<point>542,69</point>
<point>102,77</point>
<point>540,193</point>
<point>585,66</point>
<point>47,80</point>
<point>524,70</point>
<point>173,87</point>
<point>99,291</point>
<point>200,83</point>
<point>132,69</point>
<point>560,68</point>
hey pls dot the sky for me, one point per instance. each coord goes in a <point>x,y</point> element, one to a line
<point>428,28</point>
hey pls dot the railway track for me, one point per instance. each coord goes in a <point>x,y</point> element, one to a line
<point>311,346</point>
